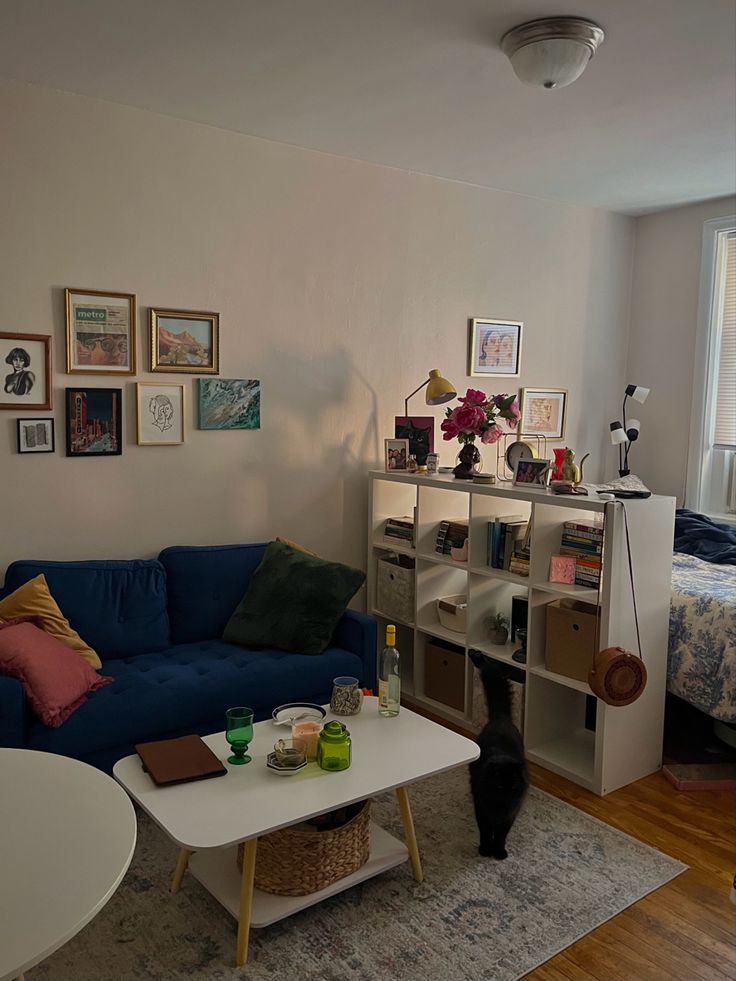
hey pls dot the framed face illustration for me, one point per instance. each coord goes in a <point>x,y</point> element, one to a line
<point>160,414</point>
<point>494,347</point>
<point>26,376</point>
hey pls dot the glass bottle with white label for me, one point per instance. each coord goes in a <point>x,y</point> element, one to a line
<point>389,677</point>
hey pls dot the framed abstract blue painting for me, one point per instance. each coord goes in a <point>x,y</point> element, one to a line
<point>229,403</point>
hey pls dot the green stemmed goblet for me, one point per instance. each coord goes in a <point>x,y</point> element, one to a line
<point>239,732</point>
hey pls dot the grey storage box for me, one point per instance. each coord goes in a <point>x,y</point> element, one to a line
<point>395,588</point>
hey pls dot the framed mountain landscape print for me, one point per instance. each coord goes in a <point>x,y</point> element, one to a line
<point>185,341</point>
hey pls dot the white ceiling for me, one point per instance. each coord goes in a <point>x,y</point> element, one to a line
<point>417,84</point>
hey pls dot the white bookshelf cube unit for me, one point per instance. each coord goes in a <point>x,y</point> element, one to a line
<point>566,729</point>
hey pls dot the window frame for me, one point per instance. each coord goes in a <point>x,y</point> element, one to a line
<point>710,314</point>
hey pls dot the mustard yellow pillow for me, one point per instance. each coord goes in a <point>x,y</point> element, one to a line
<point>33,599</point>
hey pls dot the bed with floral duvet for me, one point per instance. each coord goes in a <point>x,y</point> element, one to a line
<point>702,643</point>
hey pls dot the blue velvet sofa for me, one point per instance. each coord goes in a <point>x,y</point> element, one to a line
<point>156,626</point>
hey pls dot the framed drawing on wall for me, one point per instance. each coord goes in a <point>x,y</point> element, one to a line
<point>101,330</point>
<point>35,435</point>
<point>159,414</point>
<point>494,347</point>
<point>543,412</point>
<point>26,376</point>
<point>94,424</point>
<point>185,341</point>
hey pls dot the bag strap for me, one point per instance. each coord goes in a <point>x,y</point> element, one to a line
<point>597,633</point>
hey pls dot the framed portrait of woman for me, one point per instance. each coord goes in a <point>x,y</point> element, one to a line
<point>494,347</point>
<point>26,376</point>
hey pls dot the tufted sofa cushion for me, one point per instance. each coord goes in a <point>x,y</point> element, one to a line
<point>174,690</point>
<point>205,584</point>
<point>117,607</point>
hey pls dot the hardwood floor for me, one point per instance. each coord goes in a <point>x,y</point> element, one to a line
<point>684,931</point>
<point>687,928</point>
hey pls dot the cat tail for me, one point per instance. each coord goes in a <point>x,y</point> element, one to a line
<point>496,687</point>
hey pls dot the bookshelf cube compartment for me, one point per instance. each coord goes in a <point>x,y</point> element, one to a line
<point>560,733</point>
<point>487,516</point>
<point>436,582</point>
<point>390,499</point>
<point>488,597</point>
<point>436,505</point>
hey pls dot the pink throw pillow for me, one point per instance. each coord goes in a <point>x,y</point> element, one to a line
<point>55,678</point>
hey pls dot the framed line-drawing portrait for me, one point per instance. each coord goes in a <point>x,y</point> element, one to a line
<point>94,421</point>
<point>101,331</point>
<point>35,435</point>
<point>185,341</point>
<point>543,412</point>
<point>159,414</point>
<point>25,360</point>
<point>494,347</point>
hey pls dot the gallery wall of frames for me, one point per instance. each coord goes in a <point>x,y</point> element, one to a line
<point>102,340</point>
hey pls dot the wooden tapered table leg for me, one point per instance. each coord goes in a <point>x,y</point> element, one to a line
<point>246,899</point>
<point>181,867</point>
<point>410,836</point>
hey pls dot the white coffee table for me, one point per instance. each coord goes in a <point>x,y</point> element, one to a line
<point>67,834</point>
<point>211,817</point>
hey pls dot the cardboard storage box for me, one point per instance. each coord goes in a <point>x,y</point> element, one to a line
<point>395,588</point>
<point>570,638</point>
<point>444,674</point>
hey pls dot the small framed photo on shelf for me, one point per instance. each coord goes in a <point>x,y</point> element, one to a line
<point>94,425</point>
<point>419,430</point>
<point>26,378</point>
<point>543,412</point>
<point>101,331</point>
<point>159,414</point>
<point>185,341</point>
<point>397,454</point>
<point>494,347</point>
<point>532,473</point>
<point>562,569</point>
<point>35,435</point>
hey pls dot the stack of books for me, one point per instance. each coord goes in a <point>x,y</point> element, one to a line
<point>450,534</point>
<point>504,532</point>
<point>584,542</point>
<point>400,531</point>
<point>521,555</point>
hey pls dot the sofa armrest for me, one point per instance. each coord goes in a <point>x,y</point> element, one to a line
<point>12,713</point>
<point>357,632</point>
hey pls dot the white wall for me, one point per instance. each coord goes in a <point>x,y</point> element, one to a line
<point>339,284</point>
<point>664,316</point>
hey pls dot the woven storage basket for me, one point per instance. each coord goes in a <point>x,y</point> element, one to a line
<point>296,862</point>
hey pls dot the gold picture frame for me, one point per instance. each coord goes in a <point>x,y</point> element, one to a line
<point>101,338</point>
<point>160,413</point>
<point>543,412</point>
<point>185,341</point>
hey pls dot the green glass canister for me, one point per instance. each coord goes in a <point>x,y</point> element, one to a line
<point>334,749</point>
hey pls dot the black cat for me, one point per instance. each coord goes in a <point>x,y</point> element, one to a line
<point>499,777</point>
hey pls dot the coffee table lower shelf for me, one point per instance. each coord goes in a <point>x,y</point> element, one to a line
<point>218,872</point>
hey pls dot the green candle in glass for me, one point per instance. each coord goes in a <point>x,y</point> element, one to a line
<point>239,732</point>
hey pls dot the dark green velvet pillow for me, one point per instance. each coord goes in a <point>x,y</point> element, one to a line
<point>293,602</point>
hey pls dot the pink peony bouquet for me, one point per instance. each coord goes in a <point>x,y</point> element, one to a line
<point>482,416</point>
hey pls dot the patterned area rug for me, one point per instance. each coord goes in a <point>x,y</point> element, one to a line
<point>471,918</point>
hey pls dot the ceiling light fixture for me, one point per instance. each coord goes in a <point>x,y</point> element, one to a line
<point>553,51</point>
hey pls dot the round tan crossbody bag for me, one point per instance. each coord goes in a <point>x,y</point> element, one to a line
<point>617,676</point>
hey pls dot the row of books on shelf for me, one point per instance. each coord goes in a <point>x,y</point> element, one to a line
<point>450,534</point>
<point>400,531</point>
<point>508,543</point>
<point>583,542</point>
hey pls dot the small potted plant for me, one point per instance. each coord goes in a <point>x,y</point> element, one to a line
<point>498,628</point>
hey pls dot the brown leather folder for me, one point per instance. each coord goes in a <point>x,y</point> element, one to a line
<point>178,760</point>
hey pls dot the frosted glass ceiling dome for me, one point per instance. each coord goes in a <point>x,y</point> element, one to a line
<point>551,52</point>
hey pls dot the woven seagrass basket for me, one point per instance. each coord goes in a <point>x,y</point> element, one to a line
<point>299,861</point>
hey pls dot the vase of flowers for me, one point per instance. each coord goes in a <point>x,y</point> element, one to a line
<point>481,417</point>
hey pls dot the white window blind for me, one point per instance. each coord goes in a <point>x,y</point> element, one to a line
<point>724,434</point>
